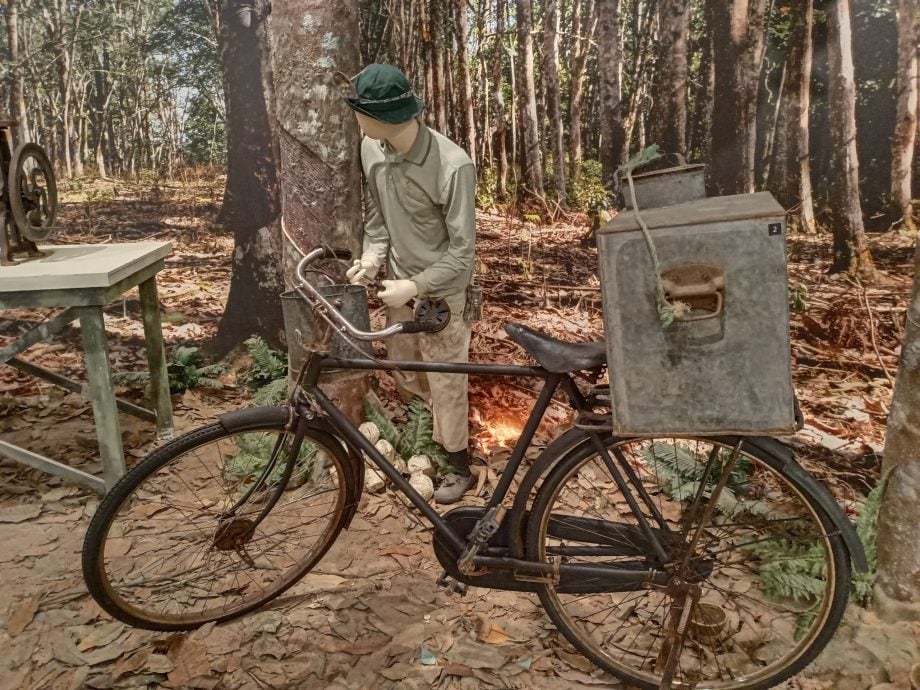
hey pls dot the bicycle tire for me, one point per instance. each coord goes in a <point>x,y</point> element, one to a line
<point>583,628</point>
<point>130,491</point>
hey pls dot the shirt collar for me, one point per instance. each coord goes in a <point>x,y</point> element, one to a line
<point>419,151</point>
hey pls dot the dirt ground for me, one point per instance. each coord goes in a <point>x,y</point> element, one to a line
<point>371,616</point>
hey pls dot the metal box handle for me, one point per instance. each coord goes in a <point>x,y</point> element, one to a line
<point>700,286</point>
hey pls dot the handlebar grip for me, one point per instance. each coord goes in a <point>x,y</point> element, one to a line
<point>418,326</point>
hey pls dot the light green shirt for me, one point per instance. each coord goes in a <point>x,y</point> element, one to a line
<point>421,212</point>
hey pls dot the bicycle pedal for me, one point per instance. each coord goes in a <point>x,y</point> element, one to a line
<point>453,586</point>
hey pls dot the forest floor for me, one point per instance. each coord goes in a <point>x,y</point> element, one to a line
<point>365,618</point>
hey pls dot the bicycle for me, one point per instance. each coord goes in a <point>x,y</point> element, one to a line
<point>660,559</point>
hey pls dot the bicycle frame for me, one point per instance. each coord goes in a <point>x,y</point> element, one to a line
<point>623,577</point>
<point>318,361</point>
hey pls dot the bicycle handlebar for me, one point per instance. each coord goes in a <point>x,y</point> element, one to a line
<point>312,295</point>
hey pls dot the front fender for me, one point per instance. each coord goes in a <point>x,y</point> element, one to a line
<point>283,417</point>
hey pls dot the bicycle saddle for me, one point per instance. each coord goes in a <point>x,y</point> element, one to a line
<point>555,355</point>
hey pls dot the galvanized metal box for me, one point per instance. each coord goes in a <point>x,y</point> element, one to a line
<point>724,366</point>
<point>668,187</point>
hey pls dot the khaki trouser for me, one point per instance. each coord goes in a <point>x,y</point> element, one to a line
<point>446,394</point>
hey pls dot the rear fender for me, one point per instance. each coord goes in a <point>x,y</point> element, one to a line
<point>560,447</point>
<point>822,497</point>
<point>282,416</point>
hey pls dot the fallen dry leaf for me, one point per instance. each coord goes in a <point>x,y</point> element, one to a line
<point>16,514</point>
<point>21,615</point>
<point>191,660</point>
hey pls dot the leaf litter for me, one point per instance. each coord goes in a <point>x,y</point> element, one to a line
<point>360,618</point>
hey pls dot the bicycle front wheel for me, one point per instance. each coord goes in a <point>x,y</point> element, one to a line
<point>758,578</point>
<point>182,540</point>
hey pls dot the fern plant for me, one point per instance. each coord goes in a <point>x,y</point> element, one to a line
<point>255,451</point>
<point>680,470</point>
<point>268,365</point>
<point>184,370</point>
<point>416,437</point>
<point>267,376</point>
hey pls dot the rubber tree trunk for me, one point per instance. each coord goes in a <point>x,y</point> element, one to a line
<point>17,107</point>
<point>312,41</point>
<point>898,586</point>
<point>904,142</point>
<point>612,132</point>
<point>791,141</point>
<point>586,19</point>
<point>532,156</point>
<point>252,198</point>
<point>317,132</point>
<point>851,250</point>
<point>669,129</point>
<point>738,44</point>
<point>553,96</point>
<point>466,82</point>
<point>498,83</point>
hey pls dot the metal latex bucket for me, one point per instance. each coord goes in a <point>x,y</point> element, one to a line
<point>301,327</point>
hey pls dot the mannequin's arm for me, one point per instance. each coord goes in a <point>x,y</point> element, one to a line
<point>459,203</point>
<point>376,235</point>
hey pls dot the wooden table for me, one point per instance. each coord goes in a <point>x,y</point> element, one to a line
<point>81,280</point>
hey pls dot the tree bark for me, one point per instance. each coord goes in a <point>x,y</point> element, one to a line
<point>738,42</point>
<point>669,129</point>
<point>790,142</point>
<point>851,250</point>
<point>553,96</point>
<point>897,588</point>
<point>466,82</point>
<point>498,83</point>
<point>904,142</point>
<point>318,135</point>
<point>17,91</point>
<point>532,157</point>
<point>587,23</point>
<point>440,95</point>
<point>612,132</point>
<point>252,198</point>
<point>701,89</point>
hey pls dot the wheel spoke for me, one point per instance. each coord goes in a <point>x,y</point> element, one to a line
<point>176,558</point>
<point>734,517</point>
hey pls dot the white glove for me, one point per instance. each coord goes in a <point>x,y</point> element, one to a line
<point>362,269</point>
<point>397,292</point>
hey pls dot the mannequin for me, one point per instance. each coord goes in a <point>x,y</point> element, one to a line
<point>420,223</point>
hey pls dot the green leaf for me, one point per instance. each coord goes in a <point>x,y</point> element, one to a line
<point>387,429</point>
<point>271,393</point>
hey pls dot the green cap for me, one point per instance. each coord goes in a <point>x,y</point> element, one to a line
<point>383,93</point>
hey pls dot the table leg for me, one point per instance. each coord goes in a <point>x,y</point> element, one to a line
<point>102,394</point>
<point>156,359</point>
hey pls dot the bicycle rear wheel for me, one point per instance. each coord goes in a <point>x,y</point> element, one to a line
<point>765,582</point>
<point>162,551</point>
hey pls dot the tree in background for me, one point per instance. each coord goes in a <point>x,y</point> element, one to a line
<point>851,250</point>
<point>738,29</point>
<point>252,202</point>
<point>790,172</point>
<point>532,158</point>
<point>613,135</point>
<point>669,125</point>
<point>553,96</point>
<point>903,146</point>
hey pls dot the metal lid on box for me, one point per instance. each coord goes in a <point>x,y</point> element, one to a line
<point>709,210</point>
